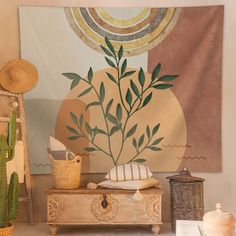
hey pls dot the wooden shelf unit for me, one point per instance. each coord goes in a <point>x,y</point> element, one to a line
<point>9,102</point>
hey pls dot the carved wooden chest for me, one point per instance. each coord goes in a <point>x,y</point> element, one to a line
<point>103,207</point>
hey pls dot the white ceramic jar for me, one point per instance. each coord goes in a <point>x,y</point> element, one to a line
<point>219,222</point>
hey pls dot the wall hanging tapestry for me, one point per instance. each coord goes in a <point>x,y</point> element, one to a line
<point>126,84</point>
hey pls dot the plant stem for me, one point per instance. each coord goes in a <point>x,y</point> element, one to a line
<point>106,123</point>
<point>91,141</point>
<point>118,75</point>
<point>140,100</point>
<point>122,139</point>
<point>127,118</point>
<point>140,151</point>
<point>129,115</point>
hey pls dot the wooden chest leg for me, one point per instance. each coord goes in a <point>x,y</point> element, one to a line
<point>156,229</point>
<point>53,229</point>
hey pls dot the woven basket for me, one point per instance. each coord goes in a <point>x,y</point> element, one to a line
<point>187,201</point>
<point>66,173</point>
<point>8,231</point>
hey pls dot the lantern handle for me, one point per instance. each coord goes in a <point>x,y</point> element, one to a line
<point>185,172</point>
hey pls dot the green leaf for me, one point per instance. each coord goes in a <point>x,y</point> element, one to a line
<point>74,118</point>
<point>148,131</point>
<point>109,104</point>
<point>140,141</point>
<point>114,129</point>
<point>141,77</point>
<point>120,52</point>
<point>110,62</point>
<point>85,92</point>
<point>131,131</point>
<point>141,160</point>
<point>90,149</point>
<point>95,131</point>
<point>106,51</point>
<point>128,73</point>
<point>74,137</point>
<point>123,67</point>
<point>74,83</point>
<point>168,77</point>
<point>81,120</point>
<point>134,88</point>
<point>119,112</point>
<point>155,129</point>
<point>92,104</point>
<point>72,130</point>
<point>157,141</point>
<point>102,92</point>
<point>90,75</point>
<point>111,77</point>
<point>88,128</point>
<point>112,119</point>
<point>162,86</point>
<point>128,97</point>
<point>110,46</point>
<point>147,99</point>
<point>72,76</point>
<point>100,131</point>
<point>156,71</point>
<point>155,148</point>
<point>135,143</point>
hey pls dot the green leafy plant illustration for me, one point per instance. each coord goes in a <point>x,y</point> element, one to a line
<point>137,96</point>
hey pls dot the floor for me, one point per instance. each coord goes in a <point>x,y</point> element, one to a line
<point>42,230</point>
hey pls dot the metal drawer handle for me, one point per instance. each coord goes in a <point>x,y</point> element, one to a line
<point>104,201</point>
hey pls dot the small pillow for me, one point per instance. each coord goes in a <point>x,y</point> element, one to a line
<point>131,184</point>
<point>130,171</point>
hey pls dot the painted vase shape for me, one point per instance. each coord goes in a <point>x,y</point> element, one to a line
<point>219,222</point>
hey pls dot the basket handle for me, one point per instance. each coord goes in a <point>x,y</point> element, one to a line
<point>77,158</point>
<point>67,155</point>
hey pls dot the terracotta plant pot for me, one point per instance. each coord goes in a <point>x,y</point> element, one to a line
<point>8,231</point>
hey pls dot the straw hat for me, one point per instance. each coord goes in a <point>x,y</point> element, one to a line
<point>18,76</point>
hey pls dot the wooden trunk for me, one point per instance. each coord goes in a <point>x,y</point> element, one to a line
<point>103,207</point>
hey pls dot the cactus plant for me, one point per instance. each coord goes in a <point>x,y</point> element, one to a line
<point>8,200</point>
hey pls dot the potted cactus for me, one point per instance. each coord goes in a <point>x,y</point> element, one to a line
<point>9,195</point>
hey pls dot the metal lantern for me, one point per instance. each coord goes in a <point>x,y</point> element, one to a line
<point>187,201</point>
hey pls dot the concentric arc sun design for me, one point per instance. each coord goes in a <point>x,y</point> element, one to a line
<point>137,34</point>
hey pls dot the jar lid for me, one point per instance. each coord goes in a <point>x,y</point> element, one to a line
<point>219,216</point>
<point>184,176</point>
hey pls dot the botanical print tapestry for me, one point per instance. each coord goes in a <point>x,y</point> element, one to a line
<point>121,85</point>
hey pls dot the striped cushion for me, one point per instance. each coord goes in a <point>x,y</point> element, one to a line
<point>130,171</point>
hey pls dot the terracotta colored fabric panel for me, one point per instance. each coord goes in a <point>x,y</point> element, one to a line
<point>193,50</point>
